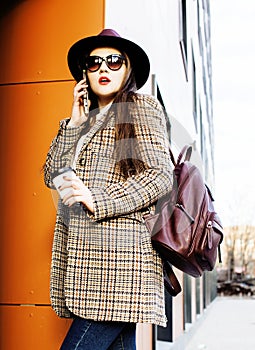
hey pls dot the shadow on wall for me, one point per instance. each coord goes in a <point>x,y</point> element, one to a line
<point>7,5</point>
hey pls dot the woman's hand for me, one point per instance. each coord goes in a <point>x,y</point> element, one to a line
<point>79,193</point>
<point>78,116</point>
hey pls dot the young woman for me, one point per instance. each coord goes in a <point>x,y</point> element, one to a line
<point>105,273</point>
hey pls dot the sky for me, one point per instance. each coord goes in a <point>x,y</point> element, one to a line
<point>233,74</point>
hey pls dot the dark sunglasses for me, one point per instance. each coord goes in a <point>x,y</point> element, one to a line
<point>113,62</point>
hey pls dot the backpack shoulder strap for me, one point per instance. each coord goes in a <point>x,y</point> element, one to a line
<point>171,282</point>
<point>172,157</point>
<point>185,154</point>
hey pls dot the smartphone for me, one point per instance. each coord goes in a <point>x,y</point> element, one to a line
<point>86,95</point>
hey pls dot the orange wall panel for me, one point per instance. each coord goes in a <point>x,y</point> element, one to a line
<point>31,115</point>
<point>36,35</point>
<point>30,328</point>
<point>35,93</point>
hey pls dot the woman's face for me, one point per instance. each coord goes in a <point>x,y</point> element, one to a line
<point>105,83</point>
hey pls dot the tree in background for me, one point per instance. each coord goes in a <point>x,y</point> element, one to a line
<point>246,251</point>
<point>239,250</point>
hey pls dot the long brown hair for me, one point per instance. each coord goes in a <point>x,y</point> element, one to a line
<point>127,153</point>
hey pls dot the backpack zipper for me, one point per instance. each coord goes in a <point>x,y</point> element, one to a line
<point>180,206</point>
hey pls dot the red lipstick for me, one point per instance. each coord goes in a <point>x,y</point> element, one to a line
<point>104,80</point>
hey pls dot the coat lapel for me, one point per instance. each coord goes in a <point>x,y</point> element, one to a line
<point>94,129</point>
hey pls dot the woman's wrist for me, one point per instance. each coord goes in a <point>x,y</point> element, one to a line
<point>75,123</point>
<point>71,123</point>
<point>89,202</point>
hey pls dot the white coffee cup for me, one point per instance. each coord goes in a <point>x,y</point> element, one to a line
<point>59,179</point>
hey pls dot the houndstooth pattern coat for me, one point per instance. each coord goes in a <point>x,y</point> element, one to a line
<point>103,264</point>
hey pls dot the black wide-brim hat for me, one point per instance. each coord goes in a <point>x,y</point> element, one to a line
<point>109,38</point>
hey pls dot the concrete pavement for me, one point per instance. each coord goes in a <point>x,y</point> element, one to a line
<point>227,324</point>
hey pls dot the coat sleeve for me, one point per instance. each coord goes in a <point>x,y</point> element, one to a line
<point>141,190</point>
<point>61,150</point>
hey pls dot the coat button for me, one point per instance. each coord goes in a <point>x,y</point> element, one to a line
<point>82,161</point>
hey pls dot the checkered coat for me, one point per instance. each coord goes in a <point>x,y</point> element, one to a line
<point>103,264</point>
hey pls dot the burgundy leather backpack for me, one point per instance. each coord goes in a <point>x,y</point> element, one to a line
<point>185,229</point>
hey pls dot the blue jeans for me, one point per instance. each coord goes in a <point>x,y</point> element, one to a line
<point>96,335</point>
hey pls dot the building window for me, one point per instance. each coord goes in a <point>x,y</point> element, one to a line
<point>194,91</point>
<point>202,136</point>
<point>187,300</point>
<point>155,91</point>
<point>163,333</point>
<point>198,293</point>
<point>183,34</point>
<point>199,30</point>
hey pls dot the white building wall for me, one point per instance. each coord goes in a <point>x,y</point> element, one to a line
<point>155,26</point>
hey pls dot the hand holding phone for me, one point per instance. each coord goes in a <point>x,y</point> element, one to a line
<point>86,95</point>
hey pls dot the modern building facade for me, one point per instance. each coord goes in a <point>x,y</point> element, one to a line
<point>35,90</point>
